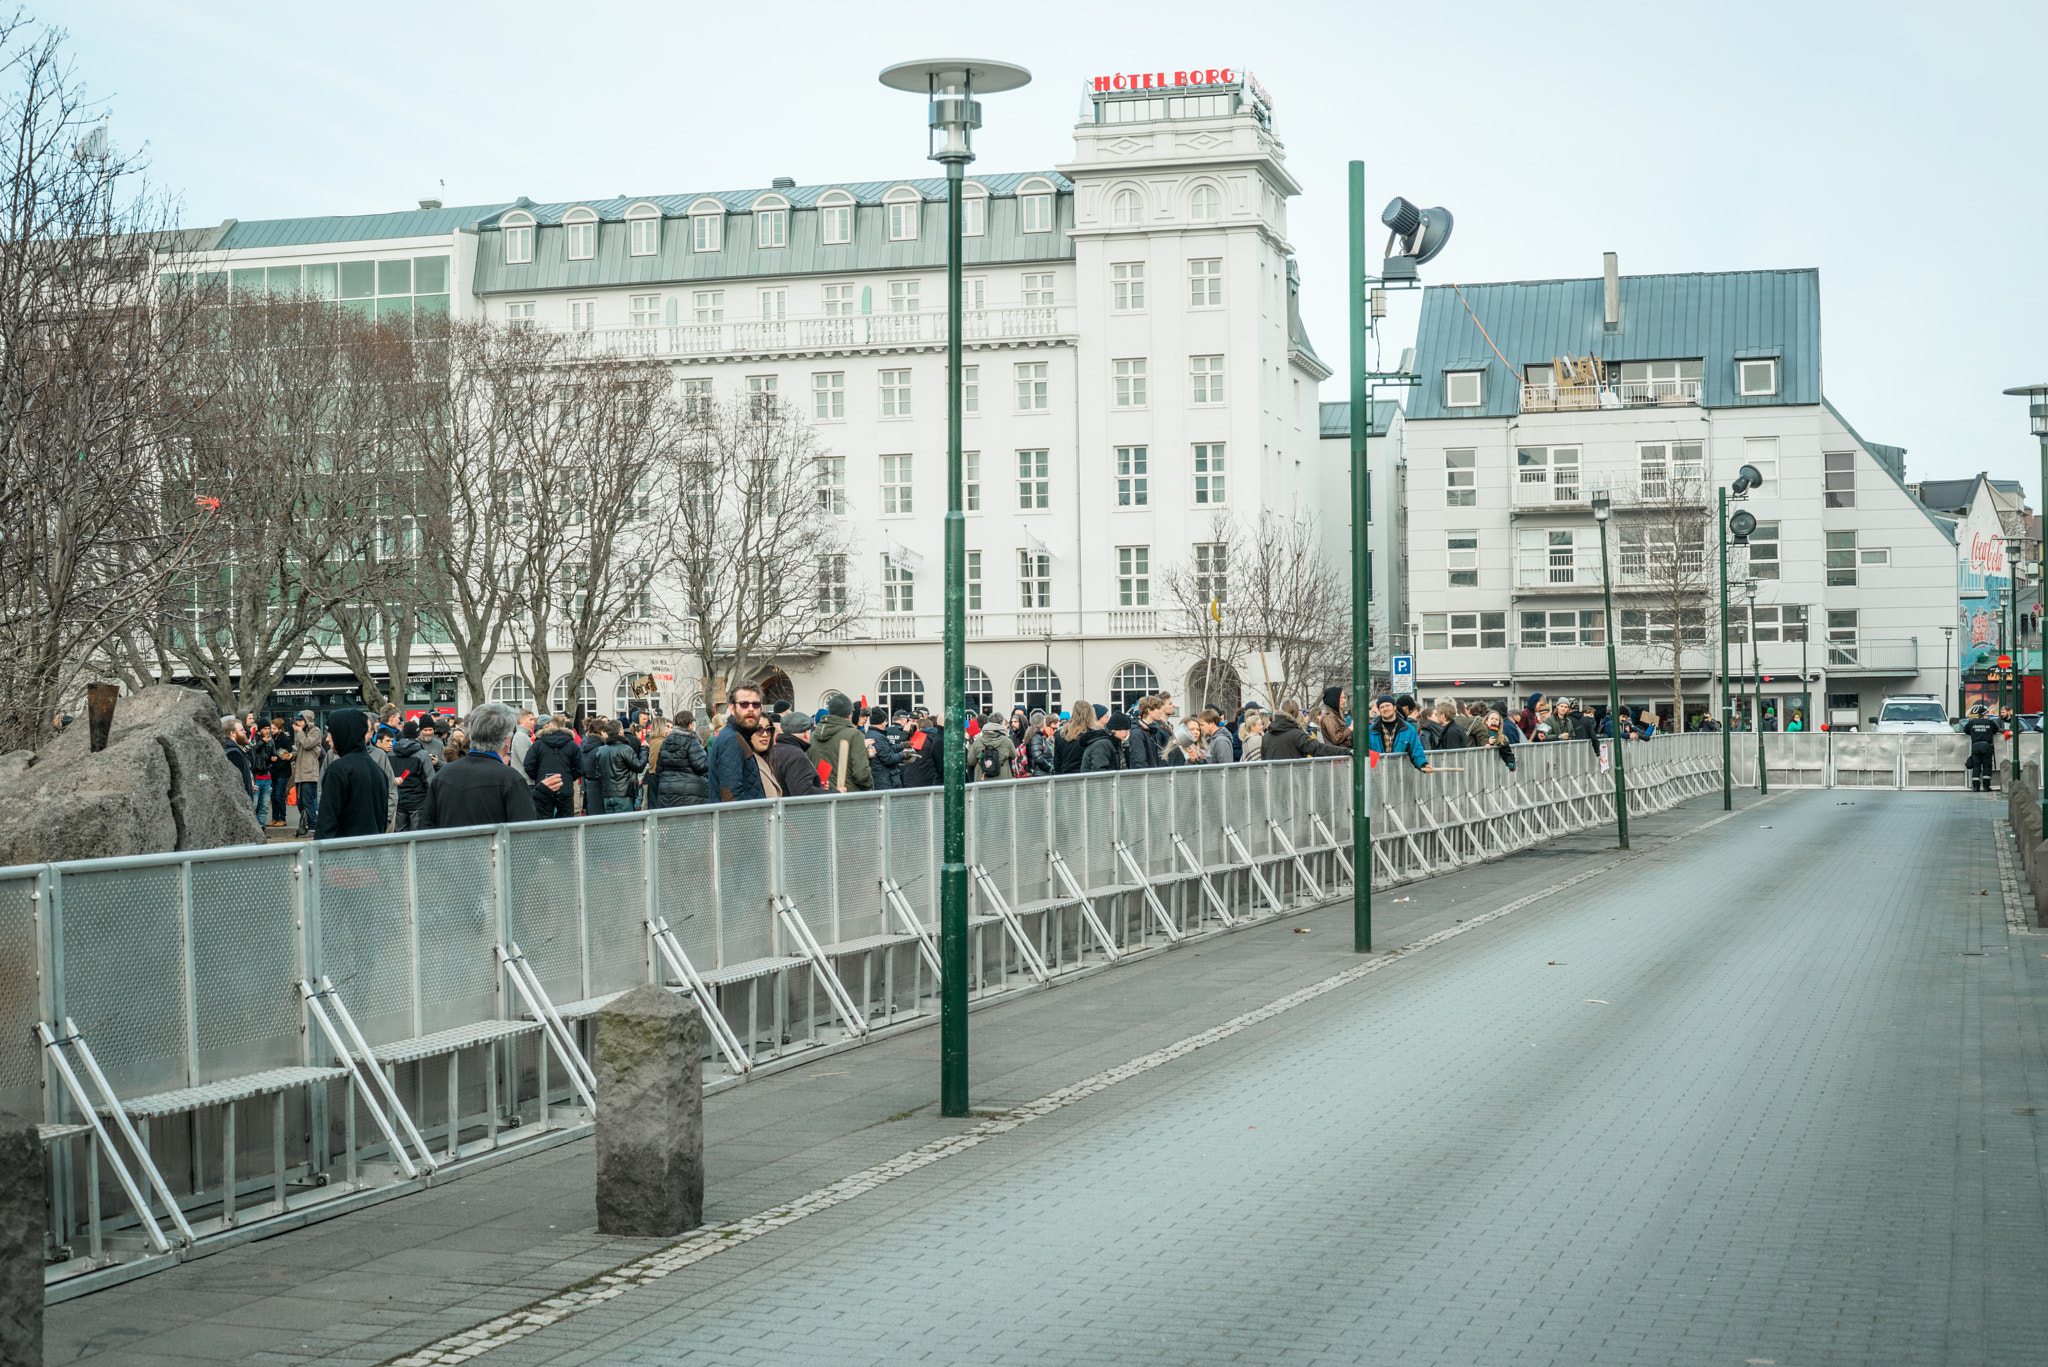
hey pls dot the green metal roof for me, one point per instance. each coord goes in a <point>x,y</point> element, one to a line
<point>1336,418</point>
<point>306,232</point>
<point>1710,317</point>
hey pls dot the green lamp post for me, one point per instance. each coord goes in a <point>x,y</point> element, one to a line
<point>1741,524</point>
<point>1603,510</point>
<point>951,86</point>
<point>1756,711</point>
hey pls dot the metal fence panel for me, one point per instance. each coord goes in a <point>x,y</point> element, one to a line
<point>367,942</point>
<point>245,964</point>
<point>458,927</point>
<point>544,912</point>
<point>688,853</point>
<point>746,921</point>
<point>615,906</point>
<point>857,866</point>
<point>21,994</point>
<point>126,979</point>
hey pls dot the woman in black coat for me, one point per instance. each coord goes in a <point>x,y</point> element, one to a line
<point>680,772</point>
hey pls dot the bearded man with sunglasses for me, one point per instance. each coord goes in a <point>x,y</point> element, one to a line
<point>735,777</point>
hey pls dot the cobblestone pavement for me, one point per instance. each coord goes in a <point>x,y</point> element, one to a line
<point>1765,1097</point>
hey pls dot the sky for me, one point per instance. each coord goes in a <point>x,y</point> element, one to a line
<point>1898,148</point>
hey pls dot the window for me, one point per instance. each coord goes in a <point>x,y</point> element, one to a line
<point>973,211</point>
<point>1134,576</point>
<point>518,240</point>
<point>1205,203</point>
<point>1654,628</point>
<point>1038,291</point>
<point>974,294</point>
<point>899,690</point>
<point>1565,628</point>
<point>710,306</point>
<point>1546,474</point>
<point>1129,383</point>
<point>1757,377</point>
<point>1037,212</point>
<point>895,485</point>
<point>835,218</point>
<point>1130,683</point>
<point>1127,286</point>
<point>771,228</point>
<point>839,301</point>
<point>1031,387</point>
<point>582,315</point>
<point>1212,572</point>
<point>1205,282</point>
<point>512,690</point>
<point>586,698</point>
<point>1038,689</point>
<point>519,315</point>
<point>1669,469</point>
<point>707,231</point>
<point>1205,379</point>
<point>831,586</point>
<point>1034,579</point>
<point>828,395</point>
<point>970,389</point>
<point>774,304</point>
<point>974,581</point>
<point>899,590</point>
<point>761,397</point>
<point>1209,473</point>
<point>1650,552</point>
<point>1034,480</point>
<point>1842,637</point>
<point>1462,557</point>
<point>896,394</point>
<point>696,398</point>
<point>1461,475</point>
<point>1131,481</point>
<point>1464,630</point>
<point>970,481</point>
<point>1763,551</point>
<point>903,296</point>
<point>1762,452</point>
<point>832,485</point>
<point>1462,388</point>
<point>1126,210</point>
<point>581,229</point>
<point>1838,476</point>
<point>1847,702</point>
<point>1546,555</point>
<point>1779,622</point>
<point>646,235</point>
<point>646,310</point>
<point>1880,555</point>
<point>903,215</point>
<point>1651,381</point>
<point>1841,559</point>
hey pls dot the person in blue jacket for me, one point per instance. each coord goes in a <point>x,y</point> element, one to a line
<point>1391,734</point>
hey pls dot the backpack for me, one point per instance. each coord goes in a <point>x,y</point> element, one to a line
<point>990,764</point>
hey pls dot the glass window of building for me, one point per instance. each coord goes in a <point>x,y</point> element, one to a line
<point>896,499</point>
<point>1132,482</point>
<point>835,218</point>
<point>1205,379</point>
<point>896,394</point>
<point>1034,480</point>
<point>1127,286</point>
<point>580,228</point>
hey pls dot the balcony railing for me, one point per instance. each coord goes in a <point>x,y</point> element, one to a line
<point>1560,398</point>
<point>1022,624</point>
<point>1871,656</point>
<point>860,332</point>
<point>1555,489</point>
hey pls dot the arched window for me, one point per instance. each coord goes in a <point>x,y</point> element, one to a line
<point>835,218</point>
<point>905,207</point>
<point>510,688</point>
<point>1126,209</point>
<point>1038,689</point>
<point>1215,683</point>
<point>973,209</point>
<point>518,233</point>
<point>580,226</point>
<point>1130,683</point>
<point>707,225</point>
<point>586,697</point>
<point>899,690</point>
<point>980,692</point>
<point>771,221</point>
<point>1036,198</point>
<point>1205,203</point>
<point>825,700</point>
<point>644,222</point>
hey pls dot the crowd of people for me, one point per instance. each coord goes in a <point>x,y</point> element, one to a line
<point>367,773</point>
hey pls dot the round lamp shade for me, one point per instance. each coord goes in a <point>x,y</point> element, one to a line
<point>987,78</point>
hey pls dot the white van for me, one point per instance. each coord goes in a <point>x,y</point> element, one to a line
<point>1911,712</point>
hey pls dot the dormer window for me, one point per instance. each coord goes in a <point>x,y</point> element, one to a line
<point>771,221</point>
<point>707,226</point>
<point>1756,378</point>
<point>1036,199</point>
<point>644,224</point>
<point>973,210</point>
<point>835,218</point>
<point>518,232</point>
<point>904,205</point>
<point>580,226</point>
<point>1462,388</point>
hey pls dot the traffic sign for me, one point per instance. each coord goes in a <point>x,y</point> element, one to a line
<point>2005,662</point>
<point>1404,673</point>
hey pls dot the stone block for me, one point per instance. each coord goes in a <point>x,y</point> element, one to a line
<point>21,1243</point>
<point>650,1115</point>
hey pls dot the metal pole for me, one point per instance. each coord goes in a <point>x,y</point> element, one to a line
<point>2041,570</point>
<point>953,872</point>
<point>2012,675</point>
<point>1756,655</point>
<point>1614,741</point>
<point>1361,584</point>
<point>1727,707</point>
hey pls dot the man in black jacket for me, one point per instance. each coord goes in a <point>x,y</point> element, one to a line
<point>553,764</point>
<point>355,796</point>
<point>923,755</point>
<point>1983,732</point>
<point>887,762</point>
<point>413,768</point>
<point>482,788</point>
<point>790,756</point>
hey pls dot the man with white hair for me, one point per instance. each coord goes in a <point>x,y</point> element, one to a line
<point>482,788</point>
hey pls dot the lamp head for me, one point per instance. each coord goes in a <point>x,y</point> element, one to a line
<point>1741,525</point>
<point>1420,234</point>
<point>1747,478</point>
<point>2037,406</point>
<point>1603,507</point>
<point>951,84</point>
<point>1750,586</point>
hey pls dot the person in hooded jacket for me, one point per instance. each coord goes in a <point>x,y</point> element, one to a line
<point>555,755</point>
<point>681,775</point>
<point>790,757</point>
<point>1287,739</point>
<point>922,761</point>
<point>1330,723</point>
<point>354,793</point>
<point>1038,747</point>
<point>839,751</point>
<point>1150,734</point>
<point>414,767</point>
<point>1530,717</point>
<point>885,760</point>
<point>611,768</point>
<point>990,755</point>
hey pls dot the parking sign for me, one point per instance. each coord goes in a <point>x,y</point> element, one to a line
<point>1404,673</point>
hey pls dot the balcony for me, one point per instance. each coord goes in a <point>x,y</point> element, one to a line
<point>1567,398</point>
<point>1028,625</point>
<point>1551,489</point>
<point>1870,656</point>
<point>878,332</point>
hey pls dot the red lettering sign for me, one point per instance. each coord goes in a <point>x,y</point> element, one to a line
<point>1157,80</point>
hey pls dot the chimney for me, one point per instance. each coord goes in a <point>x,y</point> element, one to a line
<point>430,204</point>
<point>784,182</point>
<point>1610,267</point>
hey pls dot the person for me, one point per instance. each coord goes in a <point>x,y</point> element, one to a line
<point>1252,730</point>
<point>1185,747</point>
<point>306,742</point>
<point>1038,745</point>
<point>682,769</point>
<point>1493,736</point>
<point>355,796</point>
<point>839,751</point>
<point>760,745</point>
<point>1440,729</point>
<point>1215,740</point>
<point>1982,731</point>
<point>522,739</point>
<point>553,765</point>
<point>1646,724</point>
<point>434,740</point>
<point>885,751</point>
<point>1330,722</point>
<point>613,766</point>
<point>410,759</point>
<point>735,776</point>
<point>379,750</point>
<point>231,743</point>
<point>921,750</point>
<point>790,757</point>
<point>262,751</point>
<point>1531,716</point>
<point>1393,734</point>
<point>1286,738</point>
<point>1102,748</point>
<point>1072,739</point>
<point>990,755</point>
<point>476,784</point>
<point>1149,733</point>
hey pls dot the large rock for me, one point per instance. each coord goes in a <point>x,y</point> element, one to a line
<point>650,1115</point>
<point>162,783</point>
<point>21,1243</point>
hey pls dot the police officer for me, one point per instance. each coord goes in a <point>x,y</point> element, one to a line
<point>1982,731</point>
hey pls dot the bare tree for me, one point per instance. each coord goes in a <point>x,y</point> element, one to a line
<point>88,539</point>
<point>1663,573</point>
<point>1263,597</point>
<point>761,555</point>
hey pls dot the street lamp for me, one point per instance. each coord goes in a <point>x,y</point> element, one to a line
<point>1756,711</point>
<point>1948,641</point>
<point>1603,509</point>
<point>2037,415</point>
<point>1742,524</point>
<point>951,86</point>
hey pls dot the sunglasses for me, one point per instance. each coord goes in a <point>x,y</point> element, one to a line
<point>749,706</point>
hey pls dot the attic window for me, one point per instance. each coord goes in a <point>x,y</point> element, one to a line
<point>707,225</point>
<point>1757,377</point>
<point>518,239</point>
<point>1036,196</point>
<point>1462,388</point>
<point>973,210</point>
<point>581,225</point>
<point>905,208</point>
<point>835,218</point>
<point>645,222</point>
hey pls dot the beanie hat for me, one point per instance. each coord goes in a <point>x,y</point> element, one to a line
<point>1118,722</point>
<point>1383,698</point>
<point>1333,696</point>
<point>1534,698</point>
<point>840,705</point>
<point>1100,711</point>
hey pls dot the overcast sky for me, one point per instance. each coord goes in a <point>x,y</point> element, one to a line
<point>1899,148</point>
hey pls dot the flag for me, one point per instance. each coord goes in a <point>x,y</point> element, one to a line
<point>1038,547</point>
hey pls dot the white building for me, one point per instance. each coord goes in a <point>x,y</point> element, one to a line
<point>1133,361</point>
<point>1696,376</point>
<point>1387,542</point>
